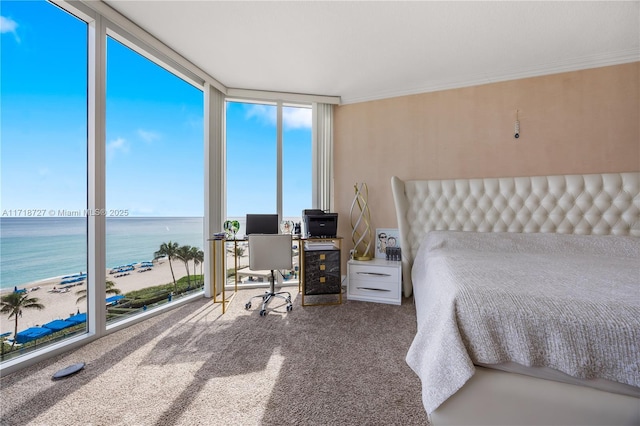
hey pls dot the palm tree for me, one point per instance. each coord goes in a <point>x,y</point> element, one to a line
<point>108,289</point>
<point>168,250</point>
<point>184,253</point>
<point>198,258</point>
<point>14,303</point>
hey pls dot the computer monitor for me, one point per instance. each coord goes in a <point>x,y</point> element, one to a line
<point>262,224</point>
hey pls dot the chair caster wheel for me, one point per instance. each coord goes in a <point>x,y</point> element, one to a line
<point>289,308</point>
<point>247,305</point>
<point>263,313</point>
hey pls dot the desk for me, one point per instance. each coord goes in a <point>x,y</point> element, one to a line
<point>221,249</point>
<point>218,270</point>
<point>321,274</point>
<point>241,246</point>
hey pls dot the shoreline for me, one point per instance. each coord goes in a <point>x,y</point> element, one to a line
<point>56,281</point>
<point>32,284</point>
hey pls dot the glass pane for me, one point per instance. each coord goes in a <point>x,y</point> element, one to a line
<point>154,185</point>
<point>296,162</point>
<point>43,227</point>
<point>297,173</point>
<point>251,147</point>
<point>251,160</point>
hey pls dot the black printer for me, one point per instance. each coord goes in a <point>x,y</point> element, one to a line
<point>317,223</point>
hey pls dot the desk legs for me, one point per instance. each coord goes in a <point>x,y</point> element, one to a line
<point>218,251</point>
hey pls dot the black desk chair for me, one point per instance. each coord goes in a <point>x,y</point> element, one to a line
<point>270,252</point>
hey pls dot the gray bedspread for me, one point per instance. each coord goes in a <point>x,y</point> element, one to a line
<point>568,302</point>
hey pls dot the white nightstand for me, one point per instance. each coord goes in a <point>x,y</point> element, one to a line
<point>375,280</point>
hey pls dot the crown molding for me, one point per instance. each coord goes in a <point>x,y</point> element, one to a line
<point>576,64</point>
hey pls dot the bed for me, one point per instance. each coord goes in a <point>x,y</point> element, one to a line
<point>527,294</point>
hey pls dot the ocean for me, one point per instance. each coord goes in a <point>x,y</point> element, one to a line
<point>33,249</point>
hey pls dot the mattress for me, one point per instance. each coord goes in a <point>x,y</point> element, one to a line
<point>566,303</point>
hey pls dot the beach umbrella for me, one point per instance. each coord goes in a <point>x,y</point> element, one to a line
<point>78,318</point>
<point>32,333</point>
<point>113,299</point>
<point>57,325</point>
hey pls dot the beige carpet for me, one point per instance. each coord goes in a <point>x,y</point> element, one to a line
<point>317,365</point>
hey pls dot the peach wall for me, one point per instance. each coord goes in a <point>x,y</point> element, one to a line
<point>577,122</point>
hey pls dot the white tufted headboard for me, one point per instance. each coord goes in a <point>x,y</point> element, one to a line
<point>570,204</point>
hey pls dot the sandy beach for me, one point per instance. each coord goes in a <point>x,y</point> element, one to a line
<point>59,305</point>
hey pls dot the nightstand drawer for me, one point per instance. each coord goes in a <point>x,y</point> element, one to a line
<point>378,274</point>
<point>374,288</point>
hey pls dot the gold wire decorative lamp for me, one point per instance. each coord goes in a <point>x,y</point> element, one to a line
<point>361,224</point>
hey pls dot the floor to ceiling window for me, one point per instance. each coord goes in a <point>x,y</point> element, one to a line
<point>154,184</point>
<point>252,160</point>
<point>259,150</point>
<point>43,222</point>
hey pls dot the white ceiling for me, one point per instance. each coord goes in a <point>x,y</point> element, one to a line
<point>370,50</point>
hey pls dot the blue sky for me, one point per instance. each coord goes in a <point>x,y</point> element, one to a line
<point>251,156</point>
<point>154,151</point>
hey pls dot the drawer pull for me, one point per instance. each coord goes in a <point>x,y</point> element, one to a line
<point>372,289</point>
<point>375,274</point>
